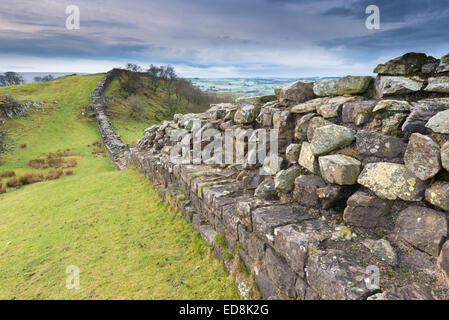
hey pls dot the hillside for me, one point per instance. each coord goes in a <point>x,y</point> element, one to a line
<point>112,225</point>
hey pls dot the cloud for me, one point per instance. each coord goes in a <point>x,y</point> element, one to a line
<point>222,37</point>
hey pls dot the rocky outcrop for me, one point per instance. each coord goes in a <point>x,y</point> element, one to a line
<point>358,183</point>
<point>10,107</point>
<point>114,145</point>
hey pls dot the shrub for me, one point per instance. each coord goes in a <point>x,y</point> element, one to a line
<point>38,164</point>
<point>30,178</point>
<point>13,183</point>
<point>68,172</point>
<point>7,174</point>
<point>54,174</point>
<point>23,146</point>
<point>98,150</point>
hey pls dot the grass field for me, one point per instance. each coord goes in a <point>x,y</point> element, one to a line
<point>126,242</point>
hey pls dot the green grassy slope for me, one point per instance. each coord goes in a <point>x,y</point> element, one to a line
<point>113,225</point>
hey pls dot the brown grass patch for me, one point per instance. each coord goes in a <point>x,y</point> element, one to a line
<point>70,164</point>
<point>13,183</point>
<point>7,174</point>
<point>54,174</point>
<point>54,160</point>
<point>2,189</point>
<point>1,163</point>
<point>30,178</point>
<point>68,172</point>
<point>23,146</point>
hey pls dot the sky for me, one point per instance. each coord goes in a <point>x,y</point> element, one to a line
<point>219,38</point>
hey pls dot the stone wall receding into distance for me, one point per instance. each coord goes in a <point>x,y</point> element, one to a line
<point>356,203</point>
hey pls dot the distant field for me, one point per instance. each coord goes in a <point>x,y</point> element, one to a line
<point>114,226</point>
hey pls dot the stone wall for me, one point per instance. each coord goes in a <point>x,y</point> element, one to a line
<point>360,186</point>
<point>112,141</point>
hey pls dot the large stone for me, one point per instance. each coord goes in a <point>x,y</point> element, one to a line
<point>439,84</point>
<point>299,91</point>
<point>445,156</point>
<point>280,272</point>
<point>423,228</point>
<point>422,156</point>
<point>309,106</point>
<point>315,123</point>
<point>325,87</point>
<point>391,123</point>
<point>375,144</point>
<point>285,179</point>
<point>358,112</point>
<point>335,276</point>
<point>281,120</point>
<point>444,64</point>
<point>366,211</point>
<point>408,64</point>
<point>266,219</point>
<point>392,106</point>
<point>272,164</point>
<point>306,190</point>
<point>430,66</point>
<point>292,153</point>
<point>422,111</point>
<point>302,125</point>
<point>387,85</point>
<point>339,169</point>
<point>329,138</point>
<point>381,249</point>
<point>266,190</point>
<point>443,261</point>
<point>353,85</point>
<point>331,107</point>
<point>438,195</point>
<point>392,181</point>
<point>439,123</point>
<point>246,114</point>
<point>410,292</point>
<point>307,159</point>
<point>293,242</point>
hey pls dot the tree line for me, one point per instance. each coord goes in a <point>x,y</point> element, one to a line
<point>11,78</point>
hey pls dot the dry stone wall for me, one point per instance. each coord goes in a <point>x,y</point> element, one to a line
<point>359,187</point>
<point>112,141</point>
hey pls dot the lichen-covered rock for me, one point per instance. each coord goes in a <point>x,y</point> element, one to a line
<point>430,66</point>
<point>438,195</point>
<point>381,249</point>
<point>444,64</point>
<point>309,106</point>
<point>299,91</point>
<point>392,181</point>
<point>266,190</point>
<point>281,273</point>
<point>445,156</point>
<point>292,153</point>
<point>335,276</point>
<point>353,85</point>
<point>307,159</point>
<point>302,125</point>
<point>391,123</point>
<point>305,191</point>
<point>329,138</point>
<point>388,85</point>
<point>439,123</point>
<point>366,211</point>
<point>422,111</point>
<point>392,106</point>
<point>443,261</point>
<point>409,63</point>
<point>281,120</point>
<point>375,144</point>
<point>358,112</point>
<point>285,179</point>
<point>408,292</point>
<point>331,107</point>
<point>325,87</point>
<point>438,84</point>
<point>339,169</point>
<point>272,164</point>
<point>246,114</point>
<point>315,123</point>
<point>294,241</point>
<point>422,156</point>
<point>423,228</point>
